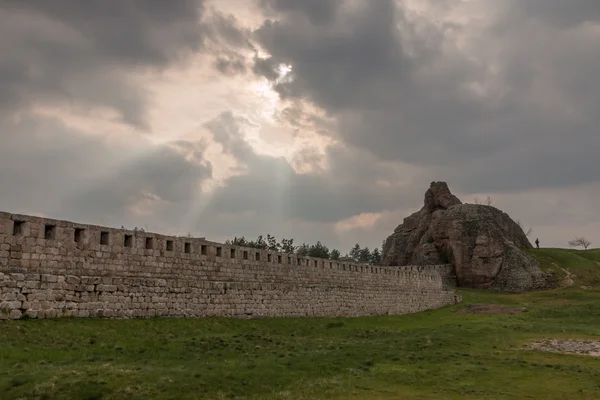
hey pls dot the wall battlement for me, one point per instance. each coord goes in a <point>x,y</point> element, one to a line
<point>51,268</point>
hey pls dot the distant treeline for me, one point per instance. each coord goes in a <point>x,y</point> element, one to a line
<point>357,253</point>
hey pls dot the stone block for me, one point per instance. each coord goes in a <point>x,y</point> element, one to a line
<point>49,278</point>
<point>17,277</point>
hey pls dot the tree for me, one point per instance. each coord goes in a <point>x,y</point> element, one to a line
<point>580,242</point>
<point>335,254</point>
<point>364,255</point>
<point>272,243</point>
<point>238,241</point>
<point>355,252</point>
<point>302,250</point>
<point>259,243</point>
<point>488,201</point>
<point>287,246</point>
<point>318,250</point>
<point>375,256</point>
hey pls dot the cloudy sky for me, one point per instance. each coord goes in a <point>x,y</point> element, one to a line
<point>314,119</point>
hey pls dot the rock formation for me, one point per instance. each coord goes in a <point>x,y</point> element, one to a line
<point>483,243</point>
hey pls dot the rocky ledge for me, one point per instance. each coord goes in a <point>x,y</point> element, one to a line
<point>482,242</point>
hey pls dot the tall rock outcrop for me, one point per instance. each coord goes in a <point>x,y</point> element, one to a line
<point>483,243</point>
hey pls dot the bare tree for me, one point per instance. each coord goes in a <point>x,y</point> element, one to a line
<point>580,242</point>
<point>488,201</point>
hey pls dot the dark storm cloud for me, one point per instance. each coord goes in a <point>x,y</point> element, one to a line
<point>83,53</point>
<point>227,29</point>
<point>229,41</point>
<point>317,11</point>
<point>266,67</point>
<point>130,32</point>
<point>230,65</point>
<point>358,68</point>
<point>338,65</point>
<point>400,88</point>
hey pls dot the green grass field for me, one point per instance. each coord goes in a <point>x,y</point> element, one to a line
<point>437,354</point>
<point>584,264</point>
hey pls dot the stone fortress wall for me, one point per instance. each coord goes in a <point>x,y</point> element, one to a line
<point>52,268</point>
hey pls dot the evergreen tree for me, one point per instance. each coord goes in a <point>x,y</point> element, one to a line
<point>318,250</point>
<point>375,256</point>
<point>238,241</point>
<point>355,252</point>
<point>302,250</point>
<point>364,255</point>
<point>335,254</point>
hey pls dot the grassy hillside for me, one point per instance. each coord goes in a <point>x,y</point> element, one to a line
<point>438,354</point>
<point>583,265</point>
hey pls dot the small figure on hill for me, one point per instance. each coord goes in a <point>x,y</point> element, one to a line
<point>537,243</point>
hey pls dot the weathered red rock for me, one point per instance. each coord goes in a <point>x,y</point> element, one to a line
<point>482,242</point>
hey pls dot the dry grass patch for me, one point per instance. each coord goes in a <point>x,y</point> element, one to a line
<point>568,346</point>
<point>489,309</point>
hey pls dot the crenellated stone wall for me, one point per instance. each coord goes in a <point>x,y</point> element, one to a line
<point>52,268</point>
